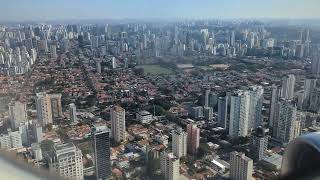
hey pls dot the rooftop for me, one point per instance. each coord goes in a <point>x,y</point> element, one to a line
<point>118,109</point>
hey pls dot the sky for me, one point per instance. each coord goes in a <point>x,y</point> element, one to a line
<point>18,10</point>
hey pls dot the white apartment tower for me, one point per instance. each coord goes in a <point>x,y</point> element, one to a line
<point>245,111</point>
<point>11,140</point>
<point>73,112</point>
<point>170,166</point>
<point>241,167</point>
<point>288,82</point>
<point>118,124</point>
<point>179,142</point>
<point>239,114</point>
<point>66,160</point>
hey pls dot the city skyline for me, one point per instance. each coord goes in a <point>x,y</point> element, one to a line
<point>159,89</point>
<point>16,10</point>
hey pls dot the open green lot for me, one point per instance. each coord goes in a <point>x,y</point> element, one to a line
<point>155,69</point>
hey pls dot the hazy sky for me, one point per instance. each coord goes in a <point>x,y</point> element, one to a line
<point>115,9</point>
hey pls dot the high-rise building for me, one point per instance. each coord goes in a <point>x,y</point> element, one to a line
<point>206,98</point>
<point>73,112</point>
<point>315,101</point>
<point>36,151</point>
<point>232,38</point>
<point>5,141</point>
<point>94,41</point>
<point>256,101</point>
<point>179,142</point>
<point>114,63</point>
<point>53,52</point>
<point>309,87</point>
<point>259,144</point>
<point>11,140</point>
<point>23,129</point>
<point>193,138</point>
<point>241,167</point>
<point>170,166</point>
<point>239,114</point>
<point>287,91</point>
<point>196,112</point>
<point>245,111</point>
<point>208,113</point>
<point>101,147</point>
<point>66,161</point>
<point>37,133</point>
<point>315,66</point>
<point>118,124</point>
<point>275,96</point>
<point>17,113</point>
<point>98,66</point>
<point>213,100</point>
<point>223,112</point>
<point>44,111</point>
<point>56,105</point>
<point>152,159</point>
<point>286,125</point>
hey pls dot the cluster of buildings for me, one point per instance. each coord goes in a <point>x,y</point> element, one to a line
<point>83,108</point>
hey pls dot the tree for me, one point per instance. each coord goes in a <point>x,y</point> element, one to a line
<point>159,110</point>
<point>203,149</point>
<point>62,133</point>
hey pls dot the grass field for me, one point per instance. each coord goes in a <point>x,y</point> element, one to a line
<point>155,69</point>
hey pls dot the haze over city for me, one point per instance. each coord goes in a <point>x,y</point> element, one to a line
<point>165,9</point>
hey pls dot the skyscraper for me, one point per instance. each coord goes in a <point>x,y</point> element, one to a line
<point>259,144</point>
<point>23,129</point>
<point>213,100</point>
<point>193,138</point>
<point>44,111</point>
<point>206,98</point>
<point>66,160</point>
<point>309,87</point>
<point>73,112</point>
<point>286,126</point>
<point>239,114</point>
<point>223,112</point>
<point>179,142</point>
<point>118,124</point>
<point>275,96</point>
<point>287,91</point>
<point>315,66</point>
<point>37,133</point>
<point>245,111</point>
<point>101,147</point>
<point>53,52</point>
<point>232,38</point>
<point>241,167</point>
<point>17,113</point>
<point>208,113</point>
<point>315,101</point>
<point>256,100</point>
<point>56,105</point>
<point>170,166</point>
